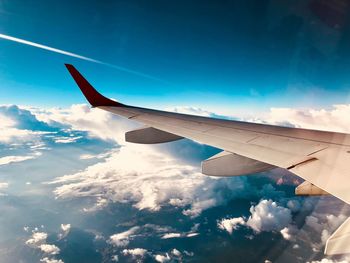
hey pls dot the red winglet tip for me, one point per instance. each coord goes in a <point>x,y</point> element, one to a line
<point>93,96</point>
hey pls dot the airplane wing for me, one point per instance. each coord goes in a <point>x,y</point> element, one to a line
<point>321,158</point>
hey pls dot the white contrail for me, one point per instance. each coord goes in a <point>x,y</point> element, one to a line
<point>33,44</point>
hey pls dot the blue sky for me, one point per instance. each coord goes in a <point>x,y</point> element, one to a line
<point>238,55</point>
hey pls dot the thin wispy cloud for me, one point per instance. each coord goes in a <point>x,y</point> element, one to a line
<point>66,53</point>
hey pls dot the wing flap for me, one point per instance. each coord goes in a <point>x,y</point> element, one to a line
<point>230,164</point>
<point>308,189</point>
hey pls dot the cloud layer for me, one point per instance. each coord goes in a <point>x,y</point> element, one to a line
<point>150,178</point>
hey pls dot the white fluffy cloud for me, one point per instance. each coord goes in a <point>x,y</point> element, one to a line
<point>335,118</point>
<point>294,205</point>
<point>268,216</point>
<point>135,253</point>
<point>19,125</point>
<point>6,121</point>
<point>176,253</point>
<point>49,249</point>
<point>65,228</point>
<point>162,258</point>
<point>13,135</point>
<point>326,226</point>
<point>122,239</point>
<point>288,233</point>
<point>149,179</point>
<point>96,122</point>
<point>37,239</point>
<point>51,260</point>
<point>231,224</point>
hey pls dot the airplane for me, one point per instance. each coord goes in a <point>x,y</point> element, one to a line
<point>321,158</point>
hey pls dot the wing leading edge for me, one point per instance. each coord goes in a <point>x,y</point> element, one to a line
<point>319,157</point>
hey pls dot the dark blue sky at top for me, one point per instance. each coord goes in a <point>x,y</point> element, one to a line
<point>254,53</point>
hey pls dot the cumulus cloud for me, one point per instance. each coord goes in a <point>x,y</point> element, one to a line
<point>325,225</point>
<point>6,121</point>
<point>21,118</point>
<point>294,205</point>
<point>50,260</point>
<point>37,239</point>
<point>162,258</point>
<point>335,118</point>
<point>14,135</point>
<point>268,216</point>
<point>288,233</point>
<point>176,252</point>
<point>49,249</point>
<point>65,228</point>
<point>135,253</point>
<point>19,125</point>
<point>96,122</point>
<point>231,224</point>
<point>122,239</point>
<point>149,179</point>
